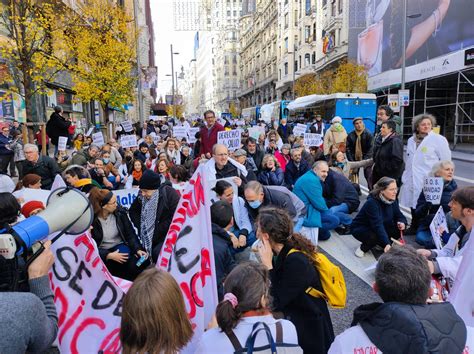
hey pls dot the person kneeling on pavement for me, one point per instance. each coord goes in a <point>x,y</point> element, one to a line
<point>380,219</point>
<point>404,323</point>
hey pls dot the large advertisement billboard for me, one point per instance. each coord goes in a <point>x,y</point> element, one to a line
<point>435,29</point>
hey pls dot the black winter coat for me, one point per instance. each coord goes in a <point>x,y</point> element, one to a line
<point>388,158</point>
<point>56,127</point>
<point>223,258</point>
<point>317,128</point>
<point>230,170</point>
<point>125,230</point>
<point>167,203</point>
<point>337,189</point>
<point>412,329</point>
<point>290,277</point>
<point>425,211</point>
<point>366,141</point>
<point>46,167</point>
<point>257,157</point>
<point>273,198</point>
<point>292,173</point>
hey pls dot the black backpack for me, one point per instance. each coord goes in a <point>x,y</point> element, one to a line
<point>273,346</point>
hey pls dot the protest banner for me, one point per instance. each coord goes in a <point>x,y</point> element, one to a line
<point>439,221</point>
<point>254,132</point>
<point>311,139</point>
<point>229,138</point>
<point>461,295</point>
<point>299,129</point>
<point>29,194</point>
<point>154,118</point>
<point>180,132</point>
<point>192,135</point>
<point>433,189</point>
<point>127,126</point>
<point>125,197</point>
<point>89,132</point>
<point>128,141</point>
<point>62,143</point>
<point>98,139</point>
<point>187,254</point>
<point>87,299</point>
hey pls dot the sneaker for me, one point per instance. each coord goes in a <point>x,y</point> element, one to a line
<point>359,253</point>
<point>343,230</point>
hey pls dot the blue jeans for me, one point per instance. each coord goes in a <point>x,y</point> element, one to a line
<point>299,224</point>
<point>424,238</point>
<point>342,212</point>
<point>329,222</point>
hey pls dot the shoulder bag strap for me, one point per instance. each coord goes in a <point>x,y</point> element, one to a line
<point>279,332</point>
<point>234,340</point>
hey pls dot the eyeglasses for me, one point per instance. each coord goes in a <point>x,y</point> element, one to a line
<point>222,155</point>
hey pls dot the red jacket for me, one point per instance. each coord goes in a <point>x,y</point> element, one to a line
<point>209,140</point>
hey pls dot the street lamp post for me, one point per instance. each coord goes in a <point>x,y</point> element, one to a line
<point>172,79</point>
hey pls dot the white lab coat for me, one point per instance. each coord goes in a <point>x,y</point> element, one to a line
<point>354,340</point>
<point>419,162</point>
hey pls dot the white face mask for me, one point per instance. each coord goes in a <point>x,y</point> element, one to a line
<point>147,155</point>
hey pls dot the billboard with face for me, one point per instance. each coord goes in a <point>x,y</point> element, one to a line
<point>435,28</point>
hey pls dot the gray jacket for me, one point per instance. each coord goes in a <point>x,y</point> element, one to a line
<point>297,202</point>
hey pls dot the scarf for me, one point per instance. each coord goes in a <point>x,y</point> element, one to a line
<point>358,147</point>
<point>210,168</point>
<point>137,175</point>
<point>147,220</point>
<point>337,127</point>
<point>385,200</point>
<point>418,137</point>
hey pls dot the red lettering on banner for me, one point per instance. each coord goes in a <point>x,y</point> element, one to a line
<point>187,293</point>
<point>59,296</point>
<point>205,272</point>
<point>366,350</point>
<point>466,350</point>
<point>86,242</point>
<point>114,346</point>
<point>70,322</point>
<point>86,323</point>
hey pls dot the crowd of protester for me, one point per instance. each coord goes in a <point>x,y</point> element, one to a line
<point>274,195</point>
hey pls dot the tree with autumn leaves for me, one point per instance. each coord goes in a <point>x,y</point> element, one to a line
<point>348,77</point>
<point>95,43</point>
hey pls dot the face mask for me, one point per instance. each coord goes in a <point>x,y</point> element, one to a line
<point>255,204</point>
<point>106,161</point>
<point>147,155</point>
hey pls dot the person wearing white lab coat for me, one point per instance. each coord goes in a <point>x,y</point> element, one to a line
<point>424,149</point>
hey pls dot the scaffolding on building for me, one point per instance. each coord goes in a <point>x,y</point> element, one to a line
<point>450,98</point>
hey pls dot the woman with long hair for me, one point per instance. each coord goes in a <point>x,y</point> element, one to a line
<point>172,151</point>
<point>163,169</point>
<point>380,219</point>
<point>339,163</point>
<point>116,239</point>
<point>154,317</point>
<point>150,161</point>
<point>246,302</point>
<point>31,180</point>
<point>291,275</point>
<point>138,167</point>
<point>78,141</point>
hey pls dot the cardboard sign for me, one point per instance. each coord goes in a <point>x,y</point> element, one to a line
<point>299,129</point>
<point>433,189</point>
<point>58,183</point>
<point>229,138</point>
<point>62,143</point>
<point>128,141</point>
<point>192,135</point>
<point>254,132</point>
<point>127,126</point>
<point>439,220</point>
<point>180,132</point>
<point>89,132</point>
<point>461,295</point>
<point>87,299</point>
<point>311,139</point>
<point>125,197</point>
<point>187,254</point>
<point>98,139</point>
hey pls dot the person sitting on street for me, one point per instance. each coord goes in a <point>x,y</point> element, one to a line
<point>447,260</point>
<point>100,174</point>
<point>341,198</point>
<point>255,153</point>
<point>425,211</point>
<point>380,219</point>
<point>240,155</point>
<point>142,152</point>
<point>44,166</point>
<point>296,168</point>
<point>404,322</point>
<point>341,164</point>
<point>271,174</point>
<point>258,197</point>
<point>283,156</point>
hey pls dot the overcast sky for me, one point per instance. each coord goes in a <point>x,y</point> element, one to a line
<point>183,43</point>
